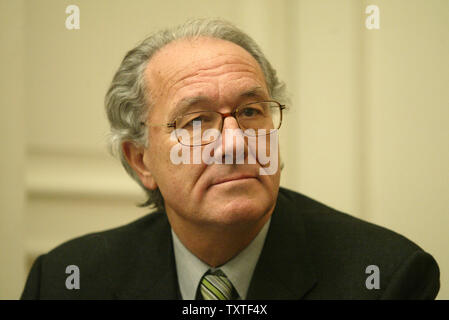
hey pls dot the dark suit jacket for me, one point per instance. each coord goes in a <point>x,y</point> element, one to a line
<point>311,252</point>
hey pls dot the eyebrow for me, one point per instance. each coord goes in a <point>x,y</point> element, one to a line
<point>256,92</point>
<point>185,104</point>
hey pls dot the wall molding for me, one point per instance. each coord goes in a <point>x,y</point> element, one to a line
<point>78,174</point>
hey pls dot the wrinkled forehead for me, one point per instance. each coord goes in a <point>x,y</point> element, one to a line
<point>187,62</point>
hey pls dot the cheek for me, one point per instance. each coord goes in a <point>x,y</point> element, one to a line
<point>175,181</point>
<point>271,182</point>
<point>155,161</point>
<point>179,187</point>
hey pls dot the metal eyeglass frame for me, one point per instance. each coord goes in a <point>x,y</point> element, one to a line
<point>223,116</point>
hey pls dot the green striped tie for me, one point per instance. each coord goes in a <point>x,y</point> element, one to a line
<point>216,286</point>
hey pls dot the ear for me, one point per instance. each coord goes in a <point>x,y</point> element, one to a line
<point>134,156</point>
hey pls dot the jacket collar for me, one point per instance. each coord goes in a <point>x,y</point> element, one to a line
<point>151,273</point>
<point>285,269</point>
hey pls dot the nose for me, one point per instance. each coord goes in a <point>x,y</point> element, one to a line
<point>229,131</point>
<point>230,122</point>
<point>233,146</point>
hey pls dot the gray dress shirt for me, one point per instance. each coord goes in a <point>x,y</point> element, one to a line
<point>239,269</point>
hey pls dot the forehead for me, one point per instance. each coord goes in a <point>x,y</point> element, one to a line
<point>203,66</point>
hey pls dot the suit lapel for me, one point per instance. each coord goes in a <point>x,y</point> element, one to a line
<point>284,269</point>
<point>152,272</point>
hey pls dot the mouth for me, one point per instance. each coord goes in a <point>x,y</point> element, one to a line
<point>239,178</point>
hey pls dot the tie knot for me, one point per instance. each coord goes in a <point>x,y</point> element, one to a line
<point>216,286</point>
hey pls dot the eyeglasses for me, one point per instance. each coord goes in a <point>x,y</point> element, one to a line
<point>254,119</point>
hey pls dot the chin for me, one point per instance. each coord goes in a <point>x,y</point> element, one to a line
<point>240,212</point>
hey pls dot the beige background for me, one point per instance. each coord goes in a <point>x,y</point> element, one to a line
<point>367,132</point>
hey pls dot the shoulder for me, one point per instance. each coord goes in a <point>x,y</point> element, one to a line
<point>344,249</point>
<point>95,255</point>
<point>338,229</point>
<point>112,239</point>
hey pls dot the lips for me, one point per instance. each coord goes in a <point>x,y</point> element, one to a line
<point>232,178</point>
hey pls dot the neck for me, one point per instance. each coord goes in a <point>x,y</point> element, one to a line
<point>216,244</point>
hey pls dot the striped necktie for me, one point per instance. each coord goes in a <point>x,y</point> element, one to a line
<point>216,286</point>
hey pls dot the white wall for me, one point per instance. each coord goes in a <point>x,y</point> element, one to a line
<point>12,160</point>
<point>366,132</point>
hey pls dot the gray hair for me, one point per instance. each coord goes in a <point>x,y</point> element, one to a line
<point>128,99</point>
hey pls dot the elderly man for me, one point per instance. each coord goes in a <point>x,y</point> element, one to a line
<point>223,228</point>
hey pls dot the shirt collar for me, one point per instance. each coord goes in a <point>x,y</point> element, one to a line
<point>239,269</point>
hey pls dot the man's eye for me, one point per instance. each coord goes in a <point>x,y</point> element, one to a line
<point>250,112</point>
<point>196,120</point>
<point>192,122</point>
